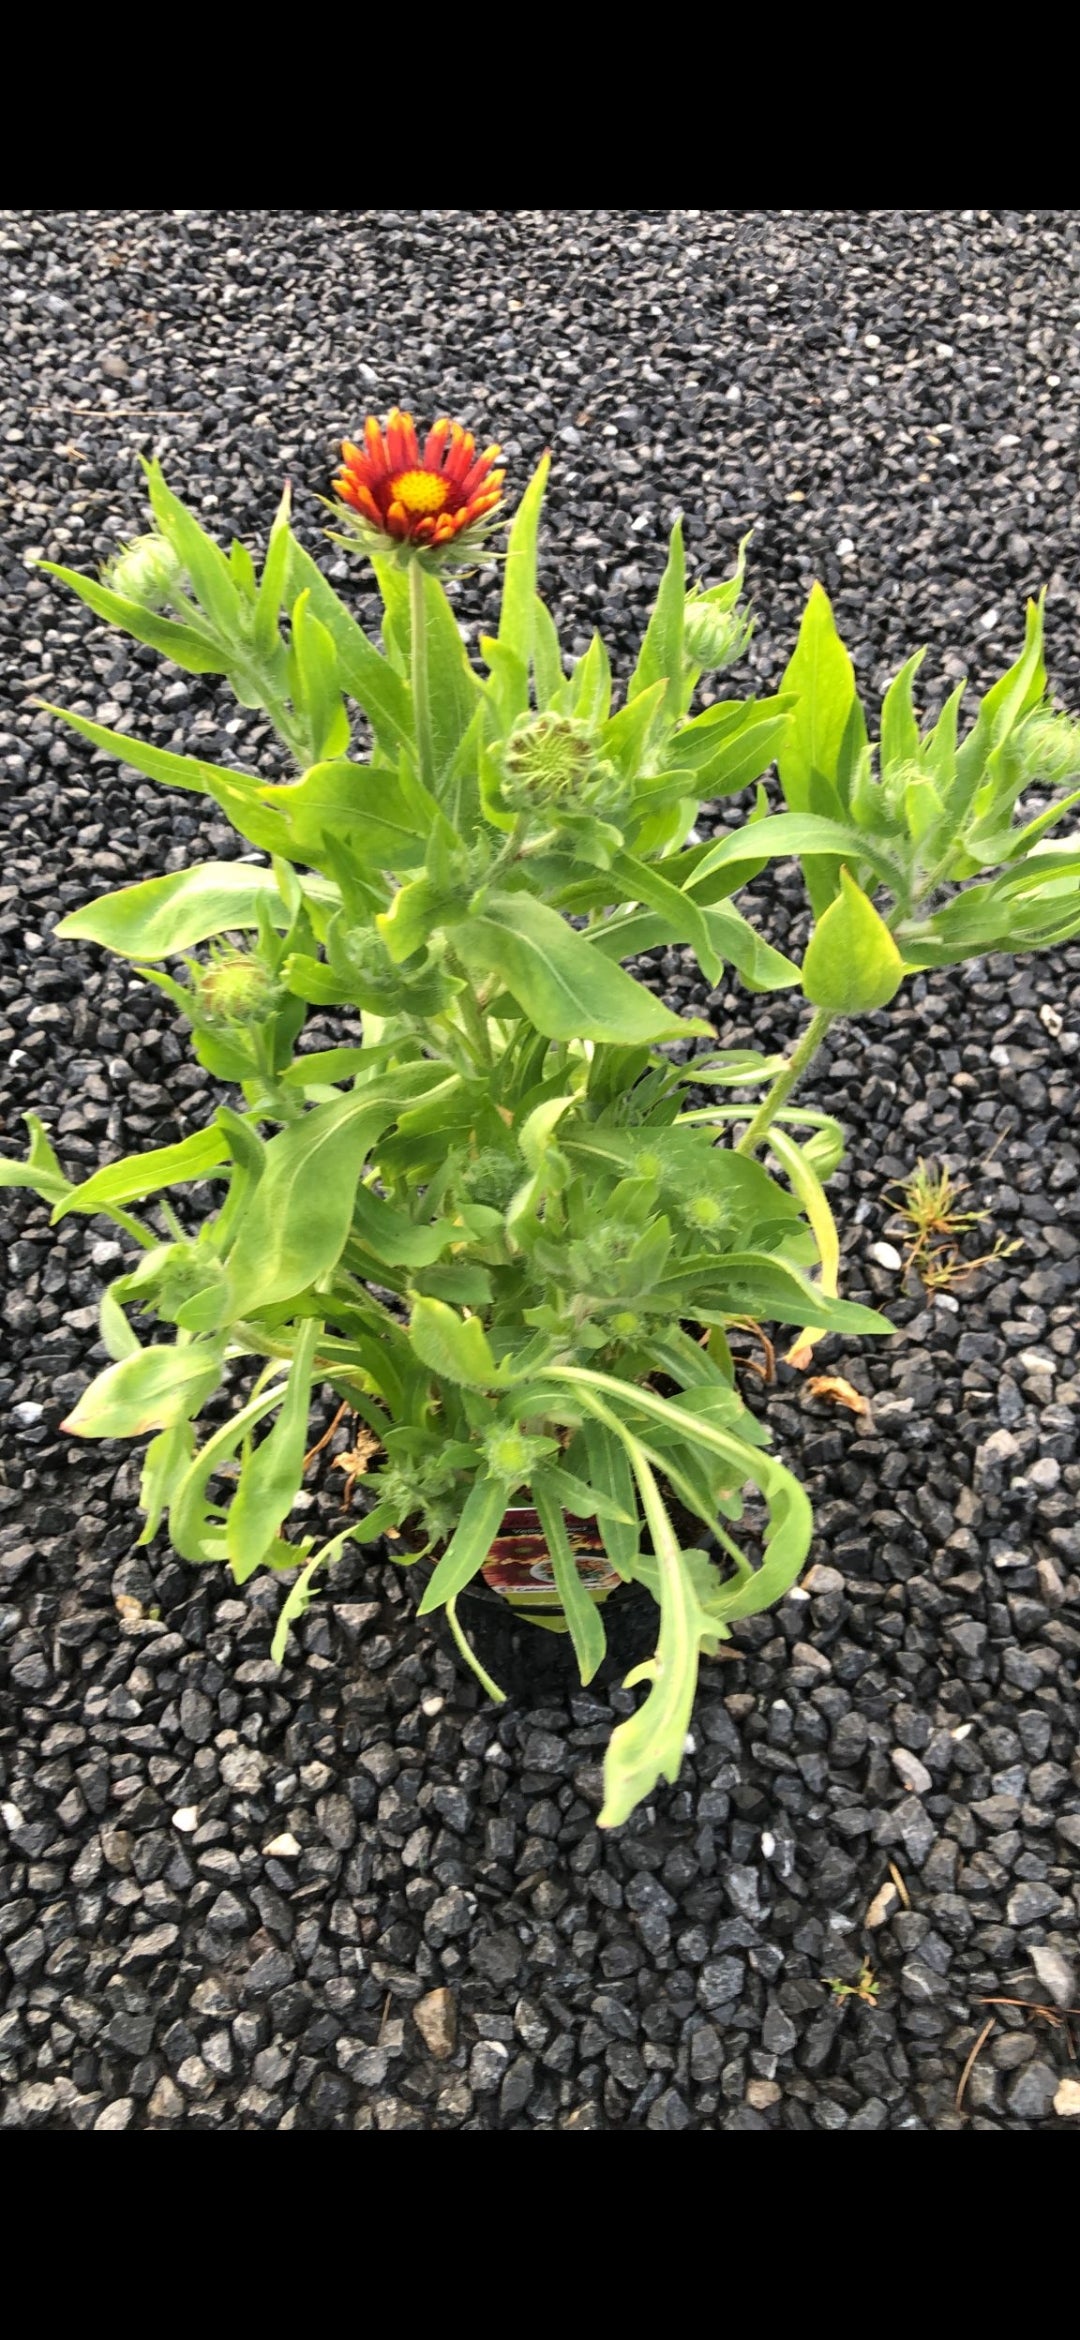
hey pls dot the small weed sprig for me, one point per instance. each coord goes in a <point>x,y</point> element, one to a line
<point>928,1208</point>
<point>865,1990</point>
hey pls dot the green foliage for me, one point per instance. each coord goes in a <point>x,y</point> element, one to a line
<point>488,1218</point>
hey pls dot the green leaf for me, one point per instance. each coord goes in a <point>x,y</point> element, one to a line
<point>923,809</point>
<point>240,799</point>
<point>1005,704</point>
<point>822,674</point>
<point>650,1745</point>
<point>242,570</point>
<point>302,1211</point>
<point>140,1174</point>
<point>625,735</point>
<point>762,968</point>
<point>463,1285</point>
<point>751,1283</point>
<point>661,655</point>
<point>396,1238</point>
<point>732,1068</point>
<point>508,690</point>
<point>517,617</point>
<point>900,742</point>
<point>568,990</point>
<point>415,912</point>
<point>204,561</point>
<point>644,881</point>
<point>731,937</point>
<point>547,657</point>
<point>157,763</point>
<point>116,1333</point>
<point>361,802</point>
<point>298,1601</point>
<point>454,1347</point>
<point>740,761</point>
<point>801,835</point>
<point>611,1477</point>
<point>148,1390</point>
<point>453,688</point>
<point>165,1462</point>
<point>163,916</point>
<point>311,979</point>
<point>324,1065</point>
<point>938,749</point>
<point>313,682</point>
<point>270,598</point>
<point>588,693</point>
<point>481,1518</point>
<point>726,757</point>
<point>272,1471</point>
<point>582,1614</point>
<point>195,652</point>
<point>362,670</point>
<point>852,964</point>
<point>41,1170</point>
<point>586,1502</point>
<point>196,1529</point>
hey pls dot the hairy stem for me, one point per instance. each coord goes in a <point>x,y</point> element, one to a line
<point>785,1081</point>
<point>421,700</point>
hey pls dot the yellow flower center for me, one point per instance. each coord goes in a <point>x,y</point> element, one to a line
<point>420,492</point>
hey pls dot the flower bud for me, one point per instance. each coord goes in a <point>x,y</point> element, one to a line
<point>235,989</point>
<point>705,1213</point>
<point>1050,745</point>
<point>714,637</point>
<point>551,763</point>
<point>510,1454</point>
<point>147,571</point>
<point>492,1177</point>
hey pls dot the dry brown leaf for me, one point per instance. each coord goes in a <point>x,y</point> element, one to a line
<point>839,1391</point>
<point>356,1458</point>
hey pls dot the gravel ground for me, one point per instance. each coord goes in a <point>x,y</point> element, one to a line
<point>346,1893</point>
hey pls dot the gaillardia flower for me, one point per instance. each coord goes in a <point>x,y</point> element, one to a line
<point>438,501</point>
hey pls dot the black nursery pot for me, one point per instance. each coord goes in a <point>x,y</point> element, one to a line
<point>507,1612</point>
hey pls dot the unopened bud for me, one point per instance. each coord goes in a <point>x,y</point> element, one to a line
<point>705,1213</point>
<point>1050,745</point>
<point>235,989</point>
<point>550,762</point>
<point>147,571</point>
<point>714,637</point>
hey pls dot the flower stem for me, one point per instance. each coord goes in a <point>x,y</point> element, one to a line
<point>475,1027</point>
<point>421,699</point>
<point>785,1081</point>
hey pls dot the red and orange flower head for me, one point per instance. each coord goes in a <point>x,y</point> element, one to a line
<point>438,502</point>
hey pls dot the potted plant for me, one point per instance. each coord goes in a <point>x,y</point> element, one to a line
<point>494,1220</point>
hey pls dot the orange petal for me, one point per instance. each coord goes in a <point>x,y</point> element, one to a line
<point>376,451</point>
<point>395,441</point>
<point>479,471</point>
<point>435,443</point>
<point>412,451</point>
<point>460,456</point>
